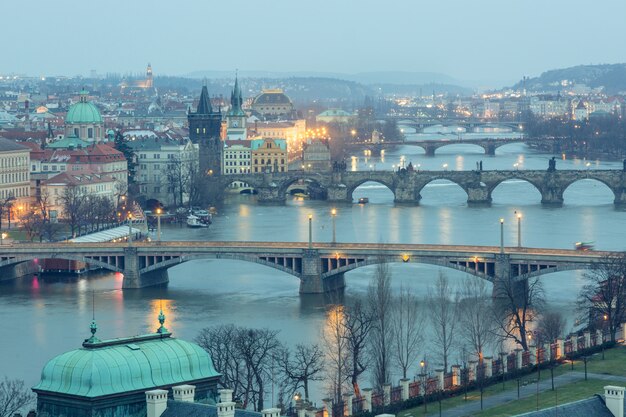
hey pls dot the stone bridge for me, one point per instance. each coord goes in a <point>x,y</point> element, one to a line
<point>419,123</point>
<point>407,186</point>
<point>319,266</point>
<point>430,146</point>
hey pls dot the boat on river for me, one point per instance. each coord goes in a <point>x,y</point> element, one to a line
<point>195,222</point>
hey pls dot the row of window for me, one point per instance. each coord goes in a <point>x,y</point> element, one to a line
<point>269,161</point>
<point>14,177</point>
<point>234,163</point>
<point>14,192</point>
<point>268,168</point>
<point>237,170</point>
<point>14,161</point>
<point>233,155</point>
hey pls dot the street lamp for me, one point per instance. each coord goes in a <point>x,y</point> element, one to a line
<point>310,231</point>
<point>423,376</point>
<point>445,167</point>
<point>158,212</point>
<point>501,235</point>
<point>519,229</point>
<point>333,214</point>
<point>3,236</point>
<point>130,228</point>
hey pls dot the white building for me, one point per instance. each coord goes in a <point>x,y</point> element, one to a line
<point>237,160</point>
<point>14,177</point>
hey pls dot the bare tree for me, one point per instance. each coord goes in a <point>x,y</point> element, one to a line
<point>443,312</point>
<point>244,357</point>
<point>358,325</point>
<point>14,397</point>
<point>517,304</point>
<point>32,224</point>
<point>477,326</point>
<point>300,367</point>
<point>551,326</point>
<point>335,345</point>
<point>407,329</point>
<point>602,300</point>
<point>73,200</point>
<point>381,340</point>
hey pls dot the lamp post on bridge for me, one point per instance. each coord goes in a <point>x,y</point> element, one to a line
<point>501,235</point>
<point>130,229</point>
<point>333,214</point>
<point>310,231</point>
<point>519,229</point>
<point>158,212</point>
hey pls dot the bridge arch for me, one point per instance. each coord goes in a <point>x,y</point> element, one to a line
<point>450,181</point>
<point>186,258</point>
<point>306,177</point>
<point>227,180</point>
<point>353,186</point>
<point>68,257</point>
<point>468,143</point>
<point>593,178</point>
<point>492,186</point>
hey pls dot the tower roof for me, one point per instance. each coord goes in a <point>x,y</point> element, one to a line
<point>204,105</point>
<point>236,101</point>
<point>83,112</point>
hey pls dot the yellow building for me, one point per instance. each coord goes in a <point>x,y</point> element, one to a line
<point>14,178</point>
<point>269,155</point>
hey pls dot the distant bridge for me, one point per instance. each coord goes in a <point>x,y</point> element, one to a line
<point>320,267</point>
<point>420,123</point>
<point>489,145</point>
<point>407,186</point>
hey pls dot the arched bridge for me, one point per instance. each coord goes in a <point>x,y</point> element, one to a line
<point>319,267</point>
<point>407,185</point>
<point>420,123</point>
<point>489,145</point>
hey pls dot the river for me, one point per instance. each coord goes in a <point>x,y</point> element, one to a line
<point>43,317</point>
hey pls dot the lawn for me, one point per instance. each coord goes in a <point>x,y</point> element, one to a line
<point>564,394</point>
<point>613,364</point>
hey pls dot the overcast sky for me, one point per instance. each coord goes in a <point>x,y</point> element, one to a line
<point>488,41</point>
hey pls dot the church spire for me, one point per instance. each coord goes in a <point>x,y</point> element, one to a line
<point>204,105</point>
<point>236,99</point>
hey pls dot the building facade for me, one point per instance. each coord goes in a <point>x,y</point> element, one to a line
<point>316,155</point>
<point>237,160</point>
<point>269,155</point>
<point>14,179</point>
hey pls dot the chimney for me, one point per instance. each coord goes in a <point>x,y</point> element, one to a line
<point>185,393</point>
<point>226,406</point>
<point>271,412</point>
<point>156,402</point>
<point>614,400</point>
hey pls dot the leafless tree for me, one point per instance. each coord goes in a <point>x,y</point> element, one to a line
<point>300,367</point>
<point>335,344</point>
<point>14,397</point>
<point>244,357</point>
<point>551,326</point>
<point>178,176</point>
<point>380,302</point>
<point>358,325</point>
<point>73,200</point>
<point>602,300</point>
<point>407,329</point>
<point>477,326</point>
<point>195,183</point>
<point>32,223</point>
<point>516,305</point>
<point>443,313</point>
<point>48,228</point>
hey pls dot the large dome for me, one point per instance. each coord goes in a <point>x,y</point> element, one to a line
<point>124,365</point>
<point>272,97</point>
<point>83,112</point>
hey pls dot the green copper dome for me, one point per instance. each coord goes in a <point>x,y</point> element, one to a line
<point>83,112</point>
<point>123,365</point>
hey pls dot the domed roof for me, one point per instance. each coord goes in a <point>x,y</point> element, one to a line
<point>83,112</point>
<point>272,97</point>
<point>126,364</point>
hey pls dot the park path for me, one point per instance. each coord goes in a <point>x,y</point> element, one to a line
<point>471,407</point>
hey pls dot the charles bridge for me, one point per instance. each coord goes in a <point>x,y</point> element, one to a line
<point>489,145</point>
<point>319,266</point>
<point>406,185</point>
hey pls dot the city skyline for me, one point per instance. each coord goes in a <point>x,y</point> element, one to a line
<point>485,43</point>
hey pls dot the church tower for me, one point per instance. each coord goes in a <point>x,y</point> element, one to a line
<point>149,83</point>
<point>204,129</point>
<point>236,117</point>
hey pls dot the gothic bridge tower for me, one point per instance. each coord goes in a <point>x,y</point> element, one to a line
<point>204,129</point>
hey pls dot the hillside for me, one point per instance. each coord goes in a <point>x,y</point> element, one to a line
<point>611,77</point>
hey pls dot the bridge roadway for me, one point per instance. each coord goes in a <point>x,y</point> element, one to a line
<point>419,123</point>
<point>406,186</point>
<point>320,268</point>
<point>489,145</point>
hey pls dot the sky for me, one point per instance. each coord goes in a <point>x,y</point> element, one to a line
<point>487,42</point>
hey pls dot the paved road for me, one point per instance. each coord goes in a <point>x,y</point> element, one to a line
<point>528,391</point>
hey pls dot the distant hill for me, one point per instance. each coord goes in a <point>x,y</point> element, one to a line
<point>611,77</point>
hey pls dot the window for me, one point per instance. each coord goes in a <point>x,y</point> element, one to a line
<point>157,167</point>
<point>90,132</point>
<point>157,189</point>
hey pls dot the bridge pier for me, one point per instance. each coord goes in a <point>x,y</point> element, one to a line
<point>270,195</point>
<point>552,198</point>
<point>620,198</point>
<point>504,287</point>
<point>430,150</point>
<point>19,270</point>
<point>311,281</point>
<point>338,193</point>
<point>133,278</point>
<point>406,195</point>
<point>490,150</point>
<point>478,196</point>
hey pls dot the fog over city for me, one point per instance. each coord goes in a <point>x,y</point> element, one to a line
<point>478,43</point>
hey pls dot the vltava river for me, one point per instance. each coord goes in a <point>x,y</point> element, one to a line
<point>43,317</point>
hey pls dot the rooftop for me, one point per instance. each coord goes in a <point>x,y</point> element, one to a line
<point>7,145</point>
